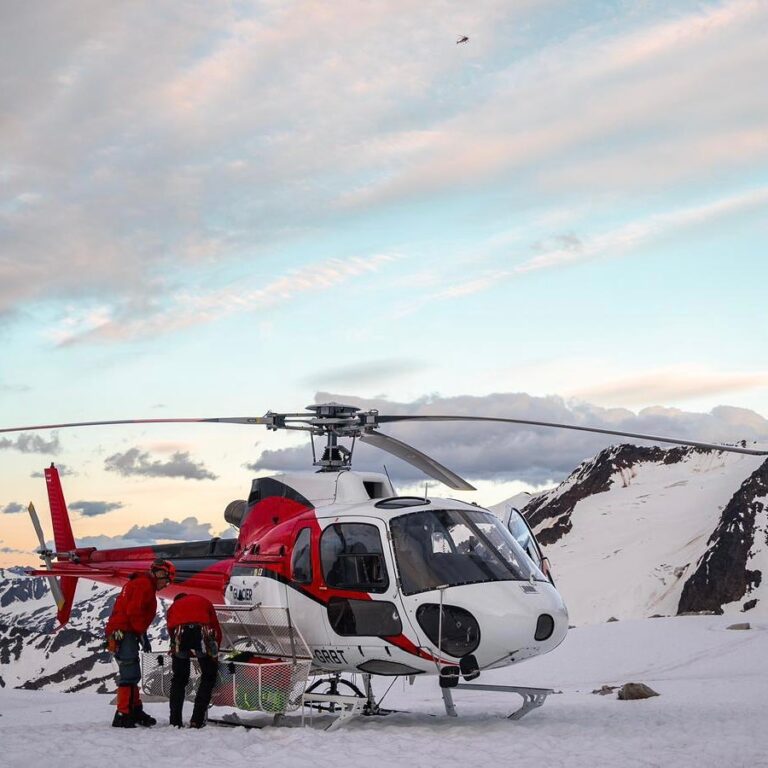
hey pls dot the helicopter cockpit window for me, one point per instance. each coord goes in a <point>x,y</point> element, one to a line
<point>352,557</point>
<point>452,547</point>
<point>301,561</point>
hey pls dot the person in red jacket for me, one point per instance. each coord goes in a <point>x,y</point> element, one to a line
<point>194,631</point>
<point>126,632</point>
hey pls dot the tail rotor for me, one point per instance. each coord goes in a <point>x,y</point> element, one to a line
<point>46,555</point>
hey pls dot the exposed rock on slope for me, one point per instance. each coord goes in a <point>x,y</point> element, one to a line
<point>728,570</point>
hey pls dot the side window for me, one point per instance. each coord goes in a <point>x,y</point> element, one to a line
<point>301,561</point>
<point>363,617</point>
<point>519,529</point>
<point>352,557</point>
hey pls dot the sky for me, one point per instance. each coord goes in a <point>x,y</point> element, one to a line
<point>222,209</point>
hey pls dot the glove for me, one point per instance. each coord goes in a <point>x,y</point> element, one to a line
<point>146,646</point>
<point>114,640</point>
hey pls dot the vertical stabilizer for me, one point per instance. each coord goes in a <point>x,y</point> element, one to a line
<point>64,541</point>
<point>62,528</point>
<point>68,587</point>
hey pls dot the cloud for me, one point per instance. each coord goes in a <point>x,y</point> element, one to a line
<point>652,75</point>
<point>64,470</point>
<point>366,373</point>
<point>95,508</point>
<point>228,533</point>
<point>568,249</point>
<point>12,551</point>
<point>16,388</point>
<point>26,443</point>
<point>137,463</point>
<point>671,384</point>
<point>188,529</point>
<point>192,153</point>
<point>515,452</point>
<point>13,508</point>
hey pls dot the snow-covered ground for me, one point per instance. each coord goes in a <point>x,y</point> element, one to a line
<point>710,712</point>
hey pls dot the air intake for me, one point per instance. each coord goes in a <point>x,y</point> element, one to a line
<point>235,512</point>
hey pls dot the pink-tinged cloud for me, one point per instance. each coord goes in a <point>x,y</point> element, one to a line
<point>672,385</point>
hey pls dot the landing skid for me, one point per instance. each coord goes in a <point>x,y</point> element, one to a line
<point>233,720</point>
<point>533,698</point>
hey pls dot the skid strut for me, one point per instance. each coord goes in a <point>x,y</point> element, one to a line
<point>532,697</point>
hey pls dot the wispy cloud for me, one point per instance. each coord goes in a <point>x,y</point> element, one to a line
<point>12,508</point>
<point>567,250</point>
<point>185,309</point>
<point>366,374</point>
<point>651,82</point>
<point>14,387</point>
<point>671,385</point>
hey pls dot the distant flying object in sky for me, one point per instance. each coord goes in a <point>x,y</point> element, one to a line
<point>462,39</point>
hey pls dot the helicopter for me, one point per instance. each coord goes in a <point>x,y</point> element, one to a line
<point>377,583</point>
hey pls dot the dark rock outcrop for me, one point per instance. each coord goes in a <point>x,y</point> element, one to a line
<point>722,575</point>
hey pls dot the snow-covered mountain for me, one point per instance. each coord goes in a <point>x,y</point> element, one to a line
<point>35,653</point>
<point>633,532</point>
<point>641,531</point>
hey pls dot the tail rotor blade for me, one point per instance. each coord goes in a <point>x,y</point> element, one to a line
<point>45,555</point>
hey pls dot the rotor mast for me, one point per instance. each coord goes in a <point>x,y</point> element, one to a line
<point>334,421</point>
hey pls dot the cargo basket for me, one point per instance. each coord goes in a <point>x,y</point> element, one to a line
<point>264,663</point>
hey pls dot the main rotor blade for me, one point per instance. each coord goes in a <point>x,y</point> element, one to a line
<point>226,420</point>
<point>653,438</point>
<point>417,459</point>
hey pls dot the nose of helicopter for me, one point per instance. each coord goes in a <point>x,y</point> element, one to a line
<point>516,620</point>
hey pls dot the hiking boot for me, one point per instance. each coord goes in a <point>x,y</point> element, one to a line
<point>122,720</point>
<point>196,724</point>
<point>143,719</point>
<point>176,723</point>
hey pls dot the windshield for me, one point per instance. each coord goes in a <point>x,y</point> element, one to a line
<point>448,547</point>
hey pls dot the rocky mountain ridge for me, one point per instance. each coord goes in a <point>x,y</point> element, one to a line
<point>681,530</point>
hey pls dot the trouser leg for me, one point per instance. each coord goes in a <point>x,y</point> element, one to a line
<point>208,671</point>
<point>128,673</point>
<point>127,658</point>
<point>124,699</point>
<point>179,679</point>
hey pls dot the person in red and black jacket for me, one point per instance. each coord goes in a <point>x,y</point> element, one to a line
<point>126,632</point>
<point>194,631</point>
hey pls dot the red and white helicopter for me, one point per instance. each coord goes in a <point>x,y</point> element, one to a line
<point>376,583</point>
